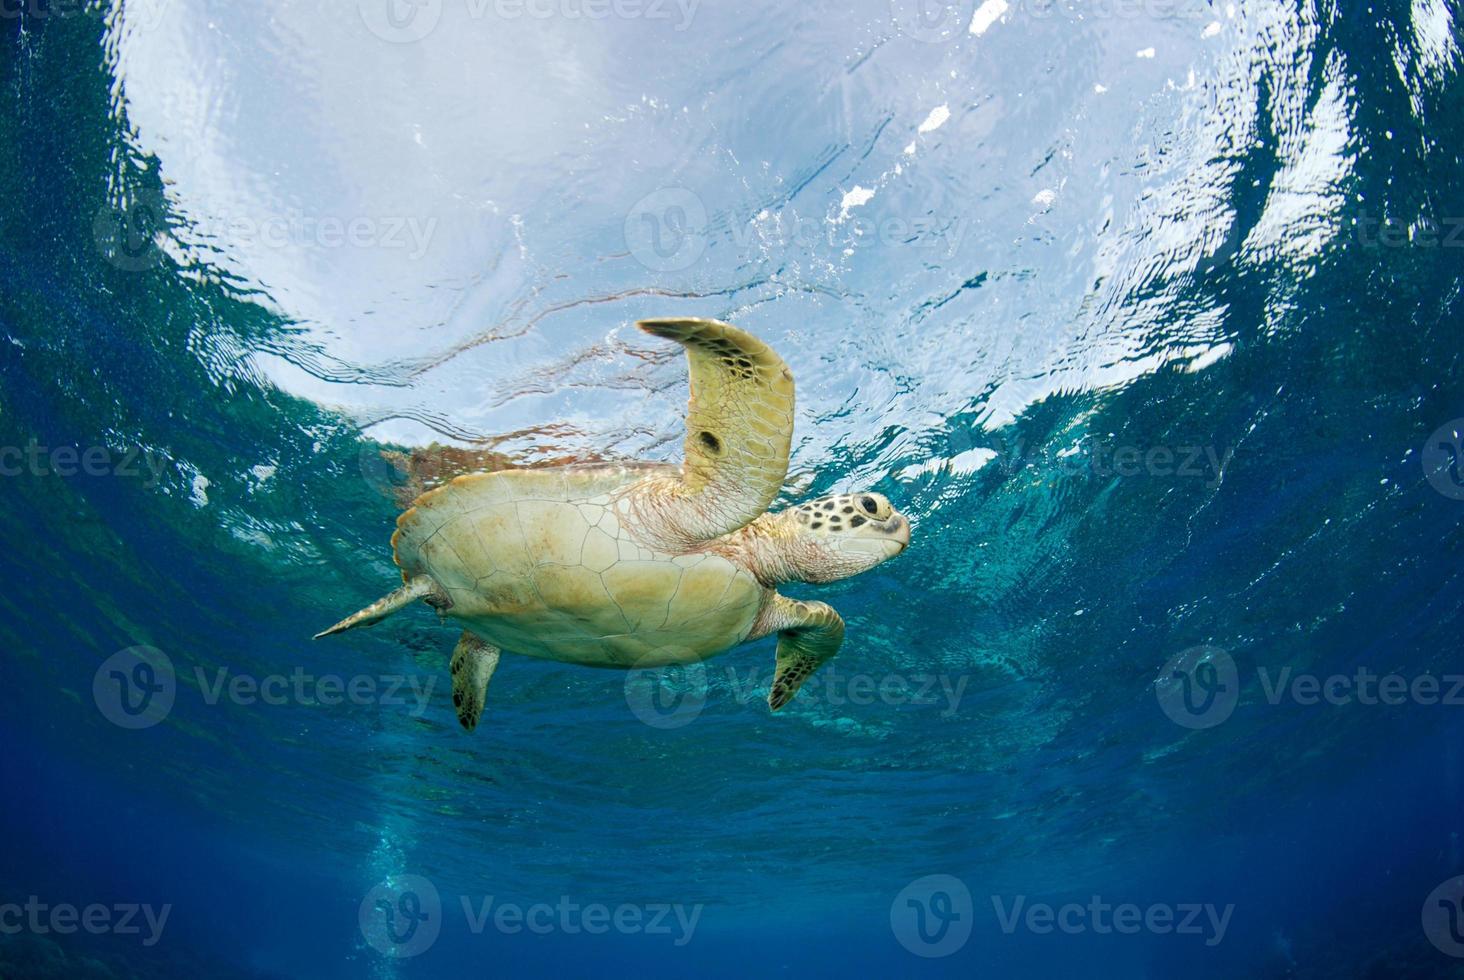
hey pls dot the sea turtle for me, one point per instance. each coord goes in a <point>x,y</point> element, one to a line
<point>645,564</point>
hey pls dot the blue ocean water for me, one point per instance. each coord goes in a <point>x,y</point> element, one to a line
<point>1147,313</point>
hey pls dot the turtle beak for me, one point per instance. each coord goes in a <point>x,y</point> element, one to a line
<point>899,530</point>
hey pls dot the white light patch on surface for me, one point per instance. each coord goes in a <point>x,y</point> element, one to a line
<point>987,14</point>
<point>199,496</point>
<point>936,119</point>
<point>960,464</point>
<point>1209,357</point>
<point>855,198</point>
<point>1300,215</point>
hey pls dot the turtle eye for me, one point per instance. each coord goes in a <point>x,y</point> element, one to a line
<point>869,506</point>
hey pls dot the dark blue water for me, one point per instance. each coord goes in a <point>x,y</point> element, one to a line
<point>1149,316</point>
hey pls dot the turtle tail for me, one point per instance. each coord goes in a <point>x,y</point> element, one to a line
<point>418,588</point>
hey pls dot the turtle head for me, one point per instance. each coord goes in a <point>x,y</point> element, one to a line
<point>835,537</point>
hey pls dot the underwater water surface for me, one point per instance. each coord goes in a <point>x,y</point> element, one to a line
<point>1146,312</point>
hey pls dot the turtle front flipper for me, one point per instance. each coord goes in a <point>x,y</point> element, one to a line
<point>739,426</point>
<point>809,633</point>
<point>473,663</point>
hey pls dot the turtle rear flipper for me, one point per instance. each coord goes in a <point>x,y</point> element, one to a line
<point>473,663</point>
<point>420,587</point>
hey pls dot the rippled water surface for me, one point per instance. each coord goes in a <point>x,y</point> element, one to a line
<point>1148,314</point>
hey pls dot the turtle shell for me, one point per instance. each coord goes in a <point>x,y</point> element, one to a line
<point>547,563</point>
